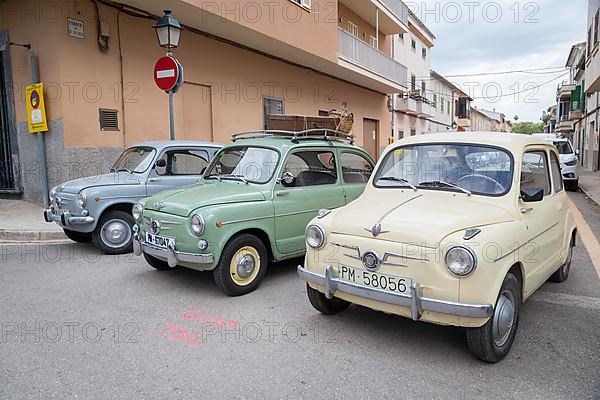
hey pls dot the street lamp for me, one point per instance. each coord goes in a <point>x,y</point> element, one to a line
<point>168,31</point>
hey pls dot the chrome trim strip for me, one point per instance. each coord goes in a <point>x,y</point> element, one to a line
<point>297,213</point>
<point>414,301</point>
<point>67,218</point>
<point>527,242</point>
<point>397,207</point>
<point>385,258</point>
<point>239,221</point>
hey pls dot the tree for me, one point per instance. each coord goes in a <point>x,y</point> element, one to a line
<point>528,127</point>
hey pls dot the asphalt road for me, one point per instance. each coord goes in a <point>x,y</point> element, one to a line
<point>76,324</point>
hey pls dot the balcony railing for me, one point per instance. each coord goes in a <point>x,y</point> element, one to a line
<point>355,50</point>
<point>398,8</point>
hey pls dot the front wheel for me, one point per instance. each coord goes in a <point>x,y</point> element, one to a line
<point>242,266</point>
<point>114,234</point>
<point>492,341</point>
<point>323,304</point>
<point>79,237</point>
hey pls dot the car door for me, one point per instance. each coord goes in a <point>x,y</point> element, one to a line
<point>560,199</point>
<point>182,167</point>
<point>356,169</point>
<point>540,220</point>
<point>308,182</point>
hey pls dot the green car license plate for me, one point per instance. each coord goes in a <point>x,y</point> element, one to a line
<point>160,241</point>
<point>387,283</point>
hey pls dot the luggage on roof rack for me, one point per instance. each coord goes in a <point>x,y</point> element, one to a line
<point>322,134</point>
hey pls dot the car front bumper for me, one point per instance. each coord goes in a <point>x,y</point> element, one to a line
<point>414,301</point>
<point>569,172</point>
<point>172,256</point>
<point>67,219</point>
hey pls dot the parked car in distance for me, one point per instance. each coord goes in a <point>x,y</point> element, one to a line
<point>98,208</point>
<point>568,160</point>
<point>442,235</point>
<point>252,205</point>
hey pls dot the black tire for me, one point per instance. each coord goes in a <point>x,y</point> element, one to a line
<point>323,304</point>
<point>483,343</point>
<point>156,263</point>
<point>79,237</point>
<point>99,237</point>
<point>233,283</point>
<point>562,274</point>
<point>572,186</point>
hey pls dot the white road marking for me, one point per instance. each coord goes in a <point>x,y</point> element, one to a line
<point>562,299</point>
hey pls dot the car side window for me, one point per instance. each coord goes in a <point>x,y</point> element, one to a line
<point>355,168</point>
<point>310,168</point>
<point>534,171</point>
<point>183,162</point>
<point>557,181</point>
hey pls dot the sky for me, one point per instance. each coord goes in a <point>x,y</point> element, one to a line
<point>505,35</point>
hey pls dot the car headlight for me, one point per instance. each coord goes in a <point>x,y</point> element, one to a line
<point>52,194</point>
<point>315,236</point>
<point>461,261</point>
<point>198,224</point>
<point>571,163</point>
<point>137,211</point>
<point>82,200</point>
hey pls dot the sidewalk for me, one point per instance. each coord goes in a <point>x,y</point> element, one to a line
<point>23,221</point>
<point>589,183</point>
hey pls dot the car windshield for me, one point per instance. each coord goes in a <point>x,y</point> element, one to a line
<point>563,147</point>
<point>468,168</point>
<point>244,163</point>
<point>135,159</point>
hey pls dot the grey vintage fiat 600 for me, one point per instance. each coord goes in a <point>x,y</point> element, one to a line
<point>98,208</point>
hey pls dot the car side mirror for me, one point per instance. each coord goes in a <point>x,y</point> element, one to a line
<point>160,163</point>
<point>287,179</point>
<point>532,195</point>
<point>577,152</point>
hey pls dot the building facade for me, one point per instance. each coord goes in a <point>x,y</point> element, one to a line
<point>588,144</point>
<point>451,106</point>
<point>242,61</point>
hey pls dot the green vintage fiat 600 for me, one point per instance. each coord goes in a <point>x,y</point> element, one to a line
<point>252,205</point>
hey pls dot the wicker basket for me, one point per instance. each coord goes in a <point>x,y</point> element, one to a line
<point>344,120</point>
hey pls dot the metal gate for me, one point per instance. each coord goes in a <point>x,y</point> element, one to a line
<point>7,172</point>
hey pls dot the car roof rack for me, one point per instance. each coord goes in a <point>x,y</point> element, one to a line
<point>296,136</point>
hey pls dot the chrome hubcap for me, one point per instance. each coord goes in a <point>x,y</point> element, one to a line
<point>116,233</point>
<point>245,265</point>
<point>504,317</point>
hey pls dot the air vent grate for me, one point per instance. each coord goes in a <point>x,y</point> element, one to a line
<point>109,119</point>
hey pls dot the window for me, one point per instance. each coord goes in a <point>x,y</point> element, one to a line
<point>413,132</point>
<point>589,41</point>
<point>374,42</point>
<point>401,36</point>
<point>448,109</point>
<point>183,162</point>
<point>400,134</point>
<point>424,52</point>
<point>134,159</point>
<point>352,29</point>
<point>272,106</point>
<point>534,171</point>
<point>413,82</point>
<point>244,163</point>
<point>356,168</point>
<point>556,176</point>
<point>442,105</point>
<point>303,3</point>
<point>423,88</point>
<point>596,17</point>
<point>413,44</point>
<point>434,100</point>
<point>311,168</point>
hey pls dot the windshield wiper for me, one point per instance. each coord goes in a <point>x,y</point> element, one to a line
<point>120,170</point>
<point>238,177</point>
<point>402,180</point>
<point>213,176</point>
<point>438,183</point>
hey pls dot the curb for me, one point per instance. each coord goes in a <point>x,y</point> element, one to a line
<point>589,194</point>
<point>31,236</point>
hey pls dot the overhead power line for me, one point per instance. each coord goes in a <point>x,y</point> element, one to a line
<point>546,70</point>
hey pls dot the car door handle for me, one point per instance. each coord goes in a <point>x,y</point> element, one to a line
<point>526,210</point>
<point>154,180</point>
<point>282,193</point>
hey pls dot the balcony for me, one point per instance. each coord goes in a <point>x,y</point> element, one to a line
<point>392,14</point>
<point>565,124</point>
<point>406,104</point>
<point>424,108</point>
<point>564,89</point>
<point>413,104</point>
<point>371,61</point>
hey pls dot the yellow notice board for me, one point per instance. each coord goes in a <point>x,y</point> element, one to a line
<point>36,109</point>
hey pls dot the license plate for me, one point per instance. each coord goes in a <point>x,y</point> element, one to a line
<point>387,283</point>
<point>159,241</point>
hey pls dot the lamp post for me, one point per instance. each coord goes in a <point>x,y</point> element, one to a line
<point>168,31</point>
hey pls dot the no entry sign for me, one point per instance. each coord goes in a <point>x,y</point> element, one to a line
<point>167,73</point>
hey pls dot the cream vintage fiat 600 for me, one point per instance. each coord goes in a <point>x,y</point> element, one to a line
<point>453,229</point>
